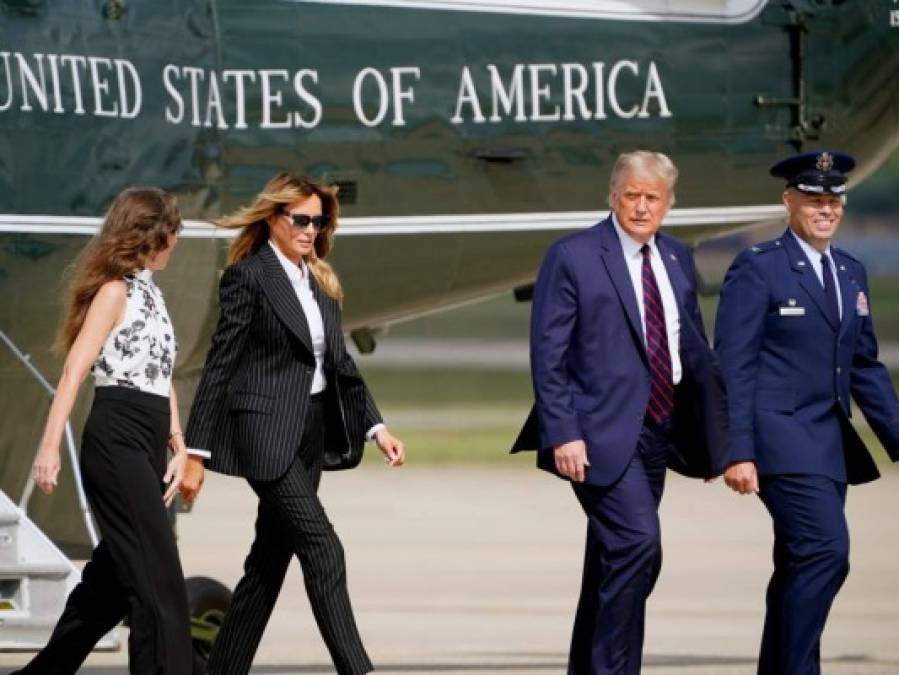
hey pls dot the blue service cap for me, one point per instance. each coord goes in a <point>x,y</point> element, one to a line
<point>816,173</point>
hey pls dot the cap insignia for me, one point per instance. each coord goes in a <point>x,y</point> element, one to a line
<point>825,162</point>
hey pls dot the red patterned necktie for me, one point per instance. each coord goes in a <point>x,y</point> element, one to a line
<point>661,390</point>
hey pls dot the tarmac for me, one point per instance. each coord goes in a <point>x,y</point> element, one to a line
<point>477,571</point>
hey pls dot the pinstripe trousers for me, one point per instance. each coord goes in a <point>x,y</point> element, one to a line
<point>291,521</point>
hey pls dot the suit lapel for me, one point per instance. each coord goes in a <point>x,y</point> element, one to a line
<point>808,278</point>
<point>283,298</point>
<point>613,258</point>
<point>335,353</point>
<point>676,275</point>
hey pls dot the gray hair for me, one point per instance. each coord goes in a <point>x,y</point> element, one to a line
<point>646,164</point>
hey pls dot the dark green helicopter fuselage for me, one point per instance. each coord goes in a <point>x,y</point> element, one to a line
<point>463,141</point>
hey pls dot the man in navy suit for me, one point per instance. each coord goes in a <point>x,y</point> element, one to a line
<point>796,340</point>
<point>626,386</point>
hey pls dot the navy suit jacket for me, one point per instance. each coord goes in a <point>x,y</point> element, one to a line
<point>589,363</point>
<point>790,369</point>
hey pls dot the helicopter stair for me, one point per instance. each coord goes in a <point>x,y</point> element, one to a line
<point>35,580</point>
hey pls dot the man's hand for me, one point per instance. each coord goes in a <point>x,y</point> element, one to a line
<point>571,460</point>
<point>742,477</point>
<point>393,448</point>
<point>193,478</point>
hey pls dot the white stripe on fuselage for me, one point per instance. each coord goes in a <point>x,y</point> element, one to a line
<point>442,224</point>
<point>691,11</point>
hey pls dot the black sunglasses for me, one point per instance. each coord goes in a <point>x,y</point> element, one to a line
<point>302,220</point>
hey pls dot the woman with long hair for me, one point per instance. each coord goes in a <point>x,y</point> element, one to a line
<point>116,326</point>
<point>279,401</point>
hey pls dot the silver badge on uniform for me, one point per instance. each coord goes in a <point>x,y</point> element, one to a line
<point>791,309</point>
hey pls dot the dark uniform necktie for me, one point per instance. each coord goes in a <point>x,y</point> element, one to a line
<point>830,290</point>
<point>661,390</point>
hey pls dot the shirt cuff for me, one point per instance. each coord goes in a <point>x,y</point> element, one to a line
<point>196,452</point>
<point>370,436</point>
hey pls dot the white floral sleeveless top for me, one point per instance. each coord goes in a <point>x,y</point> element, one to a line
<point>139,352</point>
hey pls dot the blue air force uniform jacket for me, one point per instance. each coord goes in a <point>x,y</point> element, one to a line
<point>791,370</point>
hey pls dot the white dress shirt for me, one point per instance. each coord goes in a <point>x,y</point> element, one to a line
<point>299,279</point>
<point>814,258</point>
<point>634,259</point>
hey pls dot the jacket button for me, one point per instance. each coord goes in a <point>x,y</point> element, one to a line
<point>839,370</point>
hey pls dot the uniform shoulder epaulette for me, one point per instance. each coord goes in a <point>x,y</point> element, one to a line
<point>846,253</point>
<point>765,246</point>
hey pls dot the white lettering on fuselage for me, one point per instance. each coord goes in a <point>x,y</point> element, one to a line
<point>283,99</point>
<point>61,83</point>
<point>277,98</point>
<point>553,92</point>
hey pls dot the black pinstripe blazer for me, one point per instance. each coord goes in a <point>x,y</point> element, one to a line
<point>251,404</point>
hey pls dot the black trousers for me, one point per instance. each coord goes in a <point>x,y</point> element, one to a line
<point>291,521</point>
<point>135,570</point>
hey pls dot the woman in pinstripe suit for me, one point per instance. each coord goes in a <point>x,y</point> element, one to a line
<point>279,400</point>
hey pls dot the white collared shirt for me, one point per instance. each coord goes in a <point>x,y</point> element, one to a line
<point>299,279</point>
<point>634,259</point>
<point>814,259</point>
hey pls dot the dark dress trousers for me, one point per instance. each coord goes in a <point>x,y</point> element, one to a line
<point>135,571</point>
<point>592,382</point>
<point>254,412</point>
<point>791,366</point>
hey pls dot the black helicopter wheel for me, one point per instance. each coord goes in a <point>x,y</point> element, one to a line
<point>208,601</point>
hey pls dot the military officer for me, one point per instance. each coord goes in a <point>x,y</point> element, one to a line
<point>795,337</point>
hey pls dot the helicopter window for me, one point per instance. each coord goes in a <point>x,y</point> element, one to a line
<point>719,11</point>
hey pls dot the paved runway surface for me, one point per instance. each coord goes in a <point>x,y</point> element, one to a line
<point>476,571</point>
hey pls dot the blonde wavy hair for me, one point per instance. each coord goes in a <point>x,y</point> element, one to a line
<point>286,188</point>
<point>137,225</point>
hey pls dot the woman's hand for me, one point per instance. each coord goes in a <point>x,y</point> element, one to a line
<point>175,474</point>
<point>45,469</point>
<point>393,448</point>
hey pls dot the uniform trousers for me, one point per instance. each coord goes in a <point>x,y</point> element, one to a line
<point>622,561</point>
<point>811,562</point>
<point>292,521</point>
<point>135,570</point>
